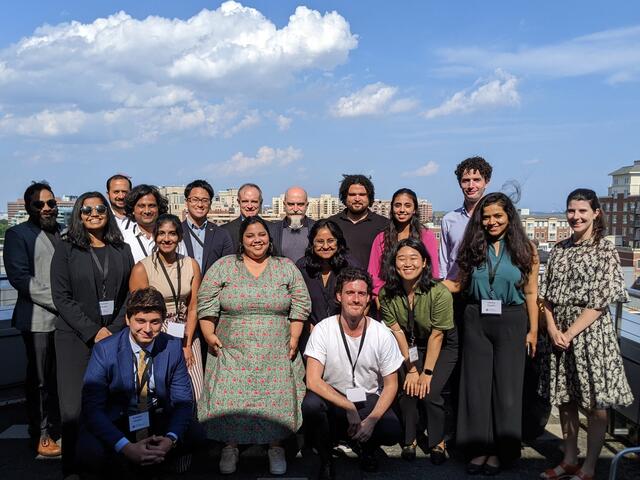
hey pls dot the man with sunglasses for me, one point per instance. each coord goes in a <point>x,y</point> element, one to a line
<point>28,250</point>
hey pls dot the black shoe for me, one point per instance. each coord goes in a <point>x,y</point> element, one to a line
<point>368,461</point>
<point>490,470</point>
<point>438,455</point>
<point>327,471</point>
<point>409,452</point>
<point>474,468</point>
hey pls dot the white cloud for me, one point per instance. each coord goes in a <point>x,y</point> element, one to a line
<point>283,122</point>
<point>614,53</point>
<point>45,123</point>
<point>265,157</point>
<point>429,168</point>
<point>500,91</point>
<point>249,120</point>
<point>374,99</point>
<point>179,70</point>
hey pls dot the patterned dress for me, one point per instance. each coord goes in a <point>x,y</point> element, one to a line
<point>253,392</point>
<point>590,373</point>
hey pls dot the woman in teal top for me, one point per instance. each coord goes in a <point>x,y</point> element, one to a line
<point>498,270</point>
<point>419,311</point>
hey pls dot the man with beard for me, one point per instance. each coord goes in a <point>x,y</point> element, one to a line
<point>28,250</point>
<point>358,223</point>
<point>118,186</point>
<point>144,203</point>
<point>290,235</point>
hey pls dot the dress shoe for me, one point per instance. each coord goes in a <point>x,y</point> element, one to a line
<point>438,455</point>
<point>48,448</point>
<point>474,468</point>
<point>409,452</point>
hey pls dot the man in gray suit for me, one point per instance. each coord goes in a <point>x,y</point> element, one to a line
<point>28,250</point>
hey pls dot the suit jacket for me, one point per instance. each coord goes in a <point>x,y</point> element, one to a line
<point>27,259</point>
<point>75,293</point>
<point>109,386</point>
<point>276,229</point>
<point>233,228</point>
<point>217,244</point>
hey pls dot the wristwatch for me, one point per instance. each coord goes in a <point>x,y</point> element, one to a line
<point>427,371</point>
<point>173,438</point>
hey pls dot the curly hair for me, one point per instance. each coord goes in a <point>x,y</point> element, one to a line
<point>474,163</point>
<point>139,191</point>
<point>338,261</point>
<point>348,180</point>
<point>393,285</point>
<point>352,274</point>
<point>78,235</point>
<point>475,243</point>
<point>588,195</point>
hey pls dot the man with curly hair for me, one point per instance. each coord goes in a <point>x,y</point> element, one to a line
<point>144,204</point>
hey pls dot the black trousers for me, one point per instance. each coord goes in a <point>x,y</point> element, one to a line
<point>72,356</point>
<point>433,404</point>
<point>492,375</point>
<point>327,424</point>
<point>40,384</point>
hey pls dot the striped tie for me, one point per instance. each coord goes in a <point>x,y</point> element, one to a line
<point>143,393</point>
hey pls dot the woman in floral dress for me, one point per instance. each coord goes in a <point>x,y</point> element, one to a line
<point>251,308</point>
<point>583,277</point>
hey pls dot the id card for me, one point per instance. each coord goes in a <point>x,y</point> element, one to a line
<point>106,307</point>
<point>175,329</point>
<point>138,421</point>
<point>413,354</point>
<point>491,307</point>
<point>357,394</point>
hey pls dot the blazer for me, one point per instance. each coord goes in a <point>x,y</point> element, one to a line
<point>27,259</point>
<point>276,229</point>
<point>217,244</point>
<point>109,386</point>
<point>75,294</point>
<point>233,228</point>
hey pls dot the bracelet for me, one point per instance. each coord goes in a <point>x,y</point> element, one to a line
<point>427,371</point>
<point>413,371</point>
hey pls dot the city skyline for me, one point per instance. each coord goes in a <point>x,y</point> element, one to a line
<point>278,93</point>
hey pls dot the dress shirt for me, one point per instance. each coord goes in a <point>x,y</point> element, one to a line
<point>198,250</point>
<point>124,223</point>
<point>141,246</point>
<point>452,230</point>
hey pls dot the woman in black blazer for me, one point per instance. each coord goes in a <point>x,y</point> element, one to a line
<point>89,283</point>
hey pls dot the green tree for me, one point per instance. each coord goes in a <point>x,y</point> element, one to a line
<point>4,225</point>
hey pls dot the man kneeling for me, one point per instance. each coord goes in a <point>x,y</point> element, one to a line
<point>347,355</point>
<point>136,398</point>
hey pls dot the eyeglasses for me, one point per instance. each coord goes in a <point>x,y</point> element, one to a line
<point>99,209</point>
<point>39,204</point>
<point>196,200</point>
<point>330,242</point>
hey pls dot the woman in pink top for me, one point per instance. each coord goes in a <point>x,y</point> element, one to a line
<point>405,223</point>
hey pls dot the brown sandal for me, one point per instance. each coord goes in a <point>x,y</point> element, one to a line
<point>566,469</point>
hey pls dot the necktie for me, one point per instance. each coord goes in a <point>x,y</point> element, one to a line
<point>143,386</point>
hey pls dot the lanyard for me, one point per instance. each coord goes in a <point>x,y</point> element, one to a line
<point>195,237</point>
<point>411,322</point>
<point>104,272</point>
<point>346,347</point>
<point>146,374</point>
<point>144,250</point>
<point>176,297</point>
<point>492,271</point>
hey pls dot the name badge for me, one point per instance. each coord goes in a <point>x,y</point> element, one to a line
<point>106,307</point>
<point>138,421</point>
<point>175,329</point>
<point>491,307</point>
<point>413,354</point>
<point>357,394</point>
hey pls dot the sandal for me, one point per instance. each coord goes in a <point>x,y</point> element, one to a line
<point>580,475</point>
<point>560,471</point>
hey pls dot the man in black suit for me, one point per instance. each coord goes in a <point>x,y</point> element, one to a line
<point>204,241</point>
<point>28,250</point>
<point>250,202</point>
<point>290,235</point>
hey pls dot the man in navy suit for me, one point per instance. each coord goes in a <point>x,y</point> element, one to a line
<point>136,398</point>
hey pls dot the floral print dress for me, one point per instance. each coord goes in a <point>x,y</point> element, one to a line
<point>590,373</point>
<point>253,392</point>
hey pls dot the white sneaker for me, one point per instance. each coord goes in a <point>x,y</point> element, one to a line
<point>229,460</point>
<point>277,461</point>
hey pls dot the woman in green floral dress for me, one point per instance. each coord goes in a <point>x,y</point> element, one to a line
<point>251,308</point>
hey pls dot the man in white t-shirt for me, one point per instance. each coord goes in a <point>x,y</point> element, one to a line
<point>351,377</point>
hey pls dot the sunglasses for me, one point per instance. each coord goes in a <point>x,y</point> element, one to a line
<point>100,209</point>
<point>39,204</point>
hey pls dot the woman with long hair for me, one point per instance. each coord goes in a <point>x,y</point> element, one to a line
<point>419,311</point>
<point>89,284</point>
<point>251,308</point>
<point>177,277</point>
<point>405,223</point>
<point>582,278</point>
<point>499,274</point>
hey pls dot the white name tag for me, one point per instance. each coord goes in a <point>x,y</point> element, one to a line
<point>413,354</point>
<point>138,421</point>
<point>357,394</point>
<point>176,329</point>
<point>491,307</point>
<point>106,307</point>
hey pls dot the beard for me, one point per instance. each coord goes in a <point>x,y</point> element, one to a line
<point>295,222</point>
<point>48,224</point>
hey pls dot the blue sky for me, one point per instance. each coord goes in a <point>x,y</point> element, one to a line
<point>280,94</point>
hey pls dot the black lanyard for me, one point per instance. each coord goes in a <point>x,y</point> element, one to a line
<point>346,347</point>
<point>176,297</point>
<point>144,250</point>
<point>104,272</point>
<point>146,374</point>
<point>195,237</point>
<point>492,271</point>
<point>411,322</point>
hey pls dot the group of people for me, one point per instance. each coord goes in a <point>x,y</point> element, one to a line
<point>148,333</point>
